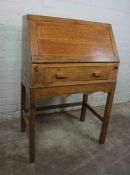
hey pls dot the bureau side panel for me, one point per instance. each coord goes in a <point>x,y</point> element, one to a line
<point>26,55</point>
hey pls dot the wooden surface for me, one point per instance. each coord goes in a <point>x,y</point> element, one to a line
<point>63,57</point>
<point>63,40</point>
<point>72,74</point>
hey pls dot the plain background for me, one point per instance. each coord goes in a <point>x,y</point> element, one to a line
<point>116,12</point>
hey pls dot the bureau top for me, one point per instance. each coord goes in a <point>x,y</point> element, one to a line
<point>55,40</point>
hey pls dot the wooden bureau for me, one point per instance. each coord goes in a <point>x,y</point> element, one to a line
<point>65,56</point>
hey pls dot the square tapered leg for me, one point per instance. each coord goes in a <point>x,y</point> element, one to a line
<point>83,110</point>
<point>106,117</point>
<point>23,106</point>
<point>32,115</point>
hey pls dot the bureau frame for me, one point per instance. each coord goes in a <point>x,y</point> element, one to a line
<point>28,114</point>
<point>99,74</point>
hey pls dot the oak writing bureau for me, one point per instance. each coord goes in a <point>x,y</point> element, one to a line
<point>65,56</point>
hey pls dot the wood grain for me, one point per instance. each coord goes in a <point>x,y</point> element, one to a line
<point>62,74</point>
<point>43,93</point>
<point>62,40</point>
<point>66,56</point>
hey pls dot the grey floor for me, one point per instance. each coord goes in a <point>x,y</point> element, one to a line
<point>65,146</point>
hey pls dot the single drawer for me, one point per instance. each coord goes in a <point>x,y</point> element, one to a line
<point>69,74</point>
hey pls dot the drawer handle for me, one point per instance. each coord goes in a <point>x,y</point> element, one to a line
<point>115,67</point>
<point>36,68</point>
<point>96,75</point>
<point>60,76</point>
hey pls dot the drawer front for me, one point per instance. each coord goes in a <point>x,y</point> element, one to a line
<point>60,75</point>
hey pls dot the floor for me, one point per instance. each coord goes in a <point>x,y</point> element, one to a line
<point>65,146</point>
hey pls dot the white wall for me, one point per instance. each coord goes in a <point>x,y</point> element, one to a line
<point>116,12</point>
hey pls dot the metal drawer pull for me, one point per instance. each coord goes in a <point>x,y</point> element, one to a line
<point>96,75</point>
<point>60,76</point>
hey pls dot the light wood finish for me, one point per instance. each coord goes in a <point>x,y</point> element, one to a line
<point>43,93</point>
<point>56,75</point>
<point>61,40</point>
<point>63,57</point>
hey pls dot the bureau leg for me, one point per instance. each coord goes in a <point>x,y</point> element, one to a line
<point>32,133</point>
<point>83,110</point>
<point>23,104</point>
<point>106,118</point>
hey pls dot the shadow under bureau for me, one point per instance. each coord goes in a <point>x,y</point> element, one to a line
<point>62,57</point>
